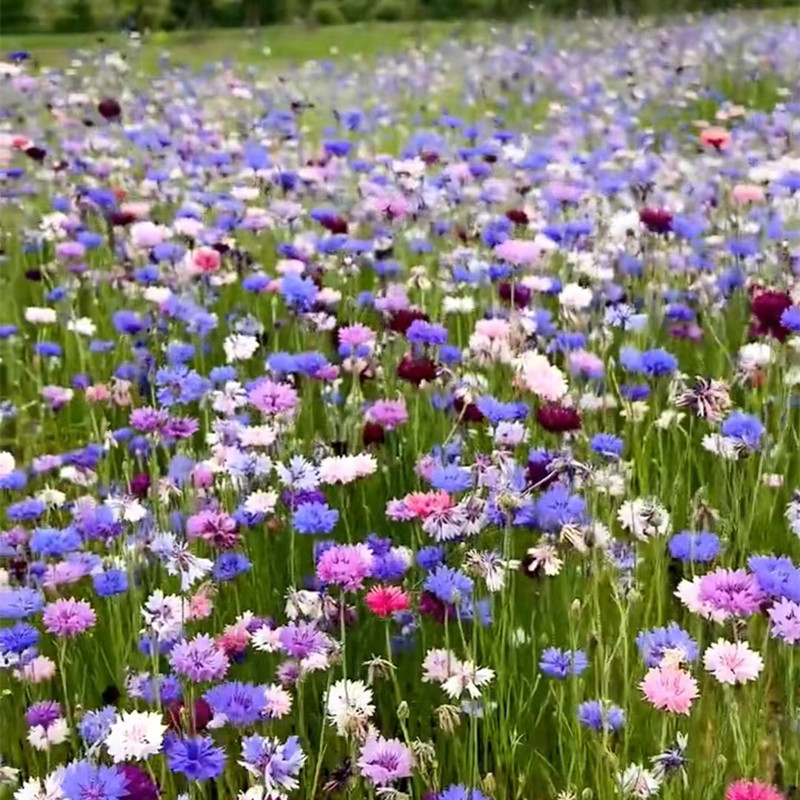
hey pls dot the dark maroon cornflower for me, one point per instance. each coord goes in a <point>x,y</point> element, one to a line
<point>767,308</point>
<point>36,153</point>
<point>432,606</point>
<point>109,108</point>
<point>539,471</point>
<point>656,220</point>
<point>416,370</point>
<point>178,717</point>
<point>430,158</point>
<point>33,275</point>
<point>18,567</point>
<point>400,321</point>
<point>467,412</point>
<point>335,225</point>
<point>556,418</point>
<point>373,434</point>
<point>139,785</point>
<point>139,485</point>
<point>121,218</point>
<point>339,778</point>
<point>110,695</point>
<point>517,216</point>
<point>520,293</point>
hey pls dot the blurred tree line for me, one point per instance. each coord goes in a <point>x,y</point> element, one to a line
<point>102,15</point>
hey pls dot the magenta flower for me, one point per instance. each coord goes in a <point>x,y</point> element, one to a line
<point>68,617</point>
<point>272,398</point>
<point>734,591</point>
<point>215,527</point>
<point>345,565</point>
<point>388,413</point>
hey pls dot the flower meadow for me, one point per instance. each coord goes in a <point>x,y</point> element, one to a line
<point>417,428</point>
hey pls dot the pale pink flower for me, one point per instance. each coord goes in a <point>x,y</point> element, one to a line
<point>539,376</point>
<point>745,193</point>
<point>277,701</point>
<point>688,592</point>
<point>204,260</point>
<point>98,393</point>
<point>518,252</point>
<point>493,328</point>
<point>669,688</point>
<point>733,662</point>
<point>39,669</point>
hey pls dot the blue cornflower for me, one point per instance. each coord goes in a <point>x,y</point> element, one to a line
<point>314,518</point>
<point>229,565</point>
<point>745,428</point>
<point>18,638</point>
<point>557,507</point>
<point>48,349</point>
<point>496,411</point>
<point>607,445</point>
<point>179,352</point>
<point>656,363</point>
<point>450,354</point>
<point>129,322</point>
<point>599,716</point>
<point>458,791</point>
<point>430,557</point>
<point>239,703</point>
<point>14,481</point>
<point>777,576</point>
<point>110,582</point>
<point>653,644</point>
<point>279,762</point>
<point>95,725</point>
<point>634,392</point>
<point>164,688</point>
<point>298,292</point>
<point>451,478</point>
<point>691,546</point>
<point>52,542</point>
<point>28,509</point>
<point>196,757</point>
<point>430,333</point>
<point>631,359</point>
<point>449,585</point>
<point>83,780</point>
<point>557,663</point>
<point>310,363</point>
<point>790,319</point>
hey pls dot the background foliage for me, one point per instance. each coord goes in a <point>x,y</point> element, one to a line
<point>68,16</point>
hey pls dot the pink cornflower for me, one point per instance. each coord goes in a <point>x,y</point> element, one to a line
<point>744,193</point>
<point>386,600</point>
<point>346,469</point>
<point>356,335</point>
<point>732,662</point>
<point>586,364</point>
<point>68,617</point>
<point>272,398</point>
<point>39,669</point>
<point>199,659</point>
<point>200,605</point>
<point>541,377</point>
<point>494,328</point>
<point>345,565</point>
<point>277,701</point>
<point>752,790</point>
<point>385,761</point>
<point>669,688</point>
<point>212,526</point>
<point>388,413</point>
<point>518,252</point>
<point>398,511</point>
<point>204,260</point>
<point>423,504</point>
<point>98,393</point>
<point>734,591</point>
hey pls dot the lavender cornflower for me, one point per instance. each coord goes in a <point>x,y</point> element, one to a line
<point>82,780</point>
<point>734,591</point>
<point>276,763</point>
<point>95,725</point>
<point>653,644</point>
<point>448,585</point>
<point>385,761</point>
<point>601,716</point>
<point>785,619</point>
<point>199,659</point>
<point>148,420</point>
<point>240,704</point>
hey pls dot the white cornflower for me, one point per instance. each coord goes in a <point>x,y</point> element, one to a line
<point>36,789</point>
<point>257,436</point>
<point>792,514</point>
<point>542,558</point>
<point>163,615</point>
<point>349,706</point>
<point>304,603</point>
<point>722,446</point>
<point>40,316</point>
<point>638,782</point>
<point>266,639</point>
<point>510,433</point>
<point>135,735</point>
<point>7,463</point>
<point>574,297</point>
<point>261,502</point>
<point>43,738</point>
<point>754,356</point>
<point>83,326</point>
<point>467,678</point>
<point>644,517</point>
<point>239,347</point>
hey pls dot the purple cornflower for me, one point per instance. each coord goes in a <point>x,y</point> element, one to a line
<point>653,644</point>
<point>345,565</point>
<point>138,784</point>
<point>557,663</point>
<point>601,716</point>
<point>272,398</point>
<point>148,420</point>
<point>199,659</point>
<point>85,781</point>
<point>385,761</point>
<point>388,413</point>
<point>302,639</point>
<point>20,603</point>
<point>180,427</point>
<point>43,713</point>
<point>785,619</point>
<point>276,763</point>
<point>734,591</point>
<point>239,703</point>
<point>68,617</point>
<point>196,757</point>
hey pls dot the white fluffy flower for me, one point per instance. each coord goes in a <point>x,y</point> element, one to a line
<point>722,446</point>
<point>644,517</point>
<point>163,615</point>
<point>7,463</point>
<point>467,678</point>
<point>83,326</point>
<point>539,376</point>
<point>574,297</point>
<point>261,502</point>
<point>754,355</point>
<point>349,706</point>
<point>239,347</point>
<point>793,515</point>
<point>43,738</point>
<point>135,735</point>
<point>40,316</point>
<point>636,781</point>
<point>37,789</point>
